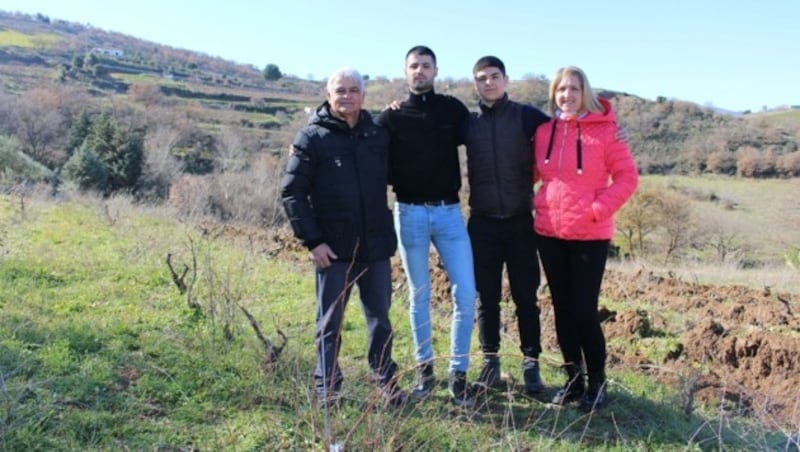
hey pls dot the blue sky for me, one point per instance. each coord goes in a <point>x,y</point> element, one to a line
<point>734,54</point>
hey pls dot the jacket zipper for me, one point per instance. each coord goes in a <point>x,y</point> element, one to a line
<point>559,172</point>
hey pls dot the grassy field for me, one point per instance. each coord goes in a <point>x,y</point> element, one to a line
<point>13,38</point>
<point>789,118</point>
<point>100,351</point>
<point>758,216</point>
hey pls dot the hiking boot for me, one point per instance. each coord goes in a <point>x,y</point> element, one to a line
<point>394,396</point>
<point>595,396</point>
<point>424,381</point>
<point>530,373</point>
<point>573,389</point>
<point>571,392</point>
<point>490,373</point>
<point>459,389</point>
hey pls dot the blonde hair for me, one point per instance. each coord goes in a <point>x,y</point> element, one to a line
<point>588,99</point>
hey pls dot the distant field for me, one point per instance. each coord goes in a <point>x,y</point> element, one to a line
<point>13,38</point>
<point>763,213</point>
<point>759,217</point>
<point>783,118</point>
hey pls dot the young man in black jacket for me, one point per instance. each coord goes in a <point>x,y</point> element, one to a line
<point>500,170</point>
<point>425,132</point>
<point>334,193</point>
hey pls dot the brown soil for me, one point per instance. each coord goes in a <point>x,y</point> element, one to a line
<point>729,345</point>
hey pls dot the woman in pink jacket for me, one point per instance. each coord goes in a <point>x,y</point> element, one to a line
<point>586,176</point>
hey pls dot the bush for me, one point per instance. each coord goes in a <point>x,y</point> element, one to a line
<point>87,170</point>
<point>15,165</point>
<point>120,152</point>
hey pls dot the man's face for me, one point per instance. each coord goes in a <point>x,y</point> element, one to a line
<point>490,83</point>
<point>345,97</point>
<point>420,73</point>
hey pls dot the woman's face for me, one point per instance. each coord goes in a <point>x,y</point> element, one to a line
<point>569,94</point>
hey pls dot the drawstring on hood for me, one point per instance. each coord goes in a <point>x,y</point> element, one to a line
<point>579,146</point>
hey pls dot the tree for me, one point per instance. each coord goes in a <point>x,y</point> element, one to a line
<point>77,62</point>
<point>78,132</point>
<point>110,159</point>
<point>87,170</point>
<point>120,150</point>
<point>272,72</point>
<point>678,222</point>
<point>638,219</point>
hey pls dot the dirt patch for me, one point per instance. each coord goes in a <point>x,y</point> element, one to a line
<point>729,346</point>
<point>732,345</point>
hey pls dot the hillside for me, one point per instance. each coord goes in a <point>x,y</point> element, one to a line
<point>92,68</point>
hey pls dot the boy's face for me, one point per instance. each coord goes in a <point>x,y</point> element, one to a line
<point>490,83</point>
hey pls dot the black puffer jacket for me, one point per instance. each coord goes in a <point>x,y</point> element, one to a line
<point>334,190</point>
<point>500,159</point>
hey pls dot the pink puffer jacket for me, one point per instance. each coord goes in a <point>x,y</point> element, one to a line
<point>586,174</point>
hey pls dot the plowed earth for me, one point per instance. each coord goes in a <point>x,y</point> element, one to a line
<point>730,346</point>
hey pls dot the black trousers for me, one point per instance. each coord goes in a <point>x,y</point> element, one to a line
<point>511,242</point>
<point>574,271</point>
<point>334,284</point>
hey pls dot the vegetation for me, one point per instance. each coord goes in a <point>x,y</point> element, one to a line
<point>111,165</point>
<point>99,349</point>
<point>272,72</point>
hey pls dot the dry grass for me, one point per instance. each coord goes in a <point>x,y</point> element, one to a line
<point>762,213</point>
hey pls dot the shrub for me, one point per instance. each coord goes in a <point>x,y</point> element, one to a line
<point>87,170</point>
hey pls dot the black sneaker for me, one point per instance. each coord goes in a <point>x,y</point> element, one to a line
<point>530,373</point>
<point>424,381</point>
<point>490,374</point>
<point>594,398</point>
<point>393,396</point>
<point>459,389</point>
<point>571,392</point>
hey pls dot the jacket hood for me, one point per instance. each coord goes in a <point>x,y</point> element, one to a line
<point>588,119</point>
<point>323,117</point>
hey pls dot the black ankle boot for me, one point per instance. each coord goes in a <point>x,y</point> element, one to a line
<point>424,381</point>
<point>596,396</point>
<point>574,387</point>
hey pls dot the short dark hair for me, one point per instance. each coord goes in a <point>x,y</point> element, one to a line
<point>422,50</point>
<point>489,61</point>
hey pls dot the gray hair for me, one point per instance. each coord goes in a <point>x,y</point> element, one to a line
<point>346,72</point>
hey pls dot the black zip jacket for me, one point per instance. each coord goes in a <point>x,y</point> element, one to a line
<point>423,153</point>
<point>500,158</point>
<point>334,190</point>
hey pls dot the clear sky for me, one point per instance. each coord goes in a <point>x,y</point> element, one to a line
<point>730,54</point>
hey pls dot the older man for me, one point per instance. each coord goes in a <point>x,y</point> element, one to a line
<point>334,194</point>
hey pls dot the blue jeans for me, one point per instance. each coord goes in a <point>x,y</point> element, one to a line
<point>417,226</point>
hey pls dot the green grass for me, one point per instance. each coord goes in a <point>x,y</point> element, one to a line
<point>99,351</point>
<point>13,38</point>
<point>146,78</point>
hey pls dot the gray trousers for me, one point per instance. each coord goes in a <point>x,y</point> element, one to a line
<point>334,284</point>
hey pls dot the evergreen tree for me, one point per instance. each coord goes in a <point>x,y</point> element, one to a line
<point>87,170</point>
<point>111,158</point>
<point>78,132</point>
<point>272,72</point>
